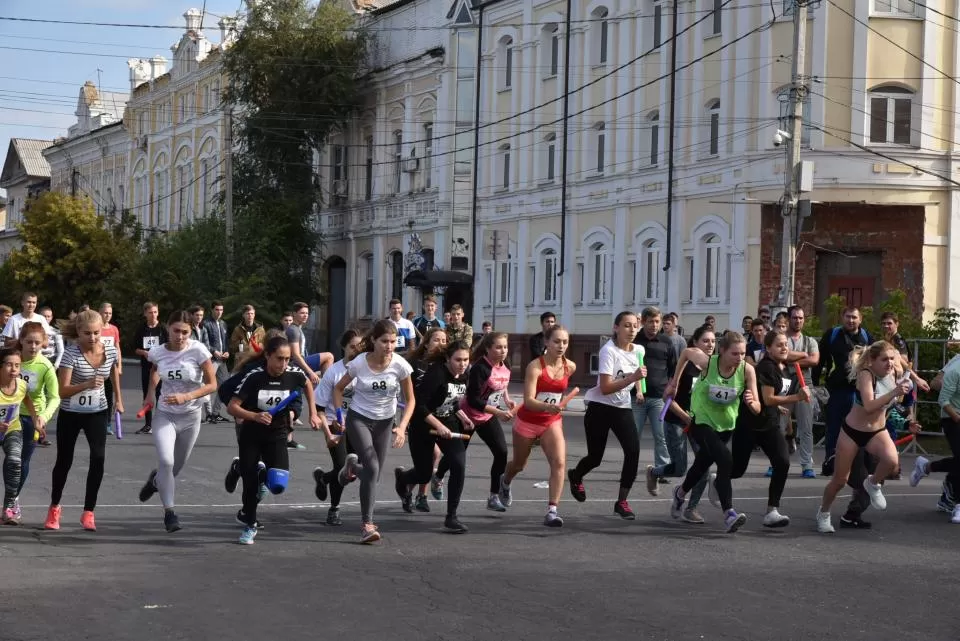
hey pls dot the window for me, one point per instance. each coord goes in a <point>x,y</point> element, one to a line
<point>397,160</point>
<point>651,265</point>
<point>551,47</point>
<point>891,115</point>
<point>900,8</point>
<point>338,173</point>
<point>653,128</point>
<point>548,268</point>
<point>550,161</point>
<point>505,279</point>
<point>368,290</point>
<point>786,121</point>
<point>597,265</point>
<point>491,286</point>
<point>601,146</point>
<point>602,32</point>
<point>204,186</point>
<point>368,178</point>
<point>466,73</point>
<point>711,267</point>
<point>717,16</point>
<point>428,155</point>
<point>691,277</point>
<point>506,56</point>
<point>505,166</point>
<point>657,25</point>
<point>396,275</point>
<point>713,128</point>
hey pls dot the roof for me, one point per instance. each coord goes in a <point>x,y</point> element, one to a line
<point>104,102</point>
<point>29,153</point>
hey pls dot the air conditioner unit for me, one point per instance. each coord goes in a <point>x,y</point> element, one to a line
<point>339,187</point>
<point>410,165</point>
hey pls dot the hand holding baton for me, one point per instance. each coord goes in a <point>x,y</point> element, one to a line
<point>143,410</point>
<point>569,397</point>
<point>282,405</point>
<point>666,407</point>
<point>464,437</point>
<point>802,382</point>
<point>118,426</point>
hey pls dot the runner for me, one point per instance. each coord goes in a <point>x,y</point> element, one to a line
<point>609,410</point>
<point>378,373</point>
<point>110,335</point>
<point>714,405</point>
<point>43,389</point>
<point>86,365</point>
<point>545,382</point>
<point>336,440</point>
<point>439,393</point>
<point>873,371</point>
<point>406,332</point>
<point>13,393</point>
<point>150,334</point>
<point>433,344</point>
<point>486,387</point>
<point>186,368</point>
<point>263,433</point>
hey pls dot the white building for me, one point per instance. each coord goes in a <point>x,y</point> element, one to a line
<point>25,175</point>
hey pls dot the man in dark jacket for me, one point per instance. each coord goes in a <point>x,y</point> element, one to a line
<point>661,362</point>
<point>218,340</point>
<point>537,343</point>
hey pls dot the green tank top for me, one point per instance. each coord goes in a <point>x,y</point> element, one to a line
<point>716,400</point>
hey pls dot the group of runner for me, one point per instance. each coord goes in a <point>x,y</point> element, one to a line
<point>424,384</point>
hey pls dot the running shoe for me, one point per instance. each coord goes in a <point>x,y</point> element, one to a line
<point>16,508</point>
<point>809,473</point>
<point>875,491</point>
<point>87,522</point>
<point>170,521</point>
<point>44,443</point>
<point>823,523</point>
<point>293,445</point>
<point>956,515</point>
<point>576,487</point>
<point>690,515</point>
<point>945,505</point>
<point>149,488</point>
<point>146,429</point>
<point>623,509</point>
<point>10,517</point>
<point>769,473</point>
<point>242,520</point>
<point>773,518</point>
<point>854,523</point>
<point>436,488</point>
<point>348,473</point>
<point>734,520</point>
<point>494,504</point>
<point>453,525</point>
<point>663,480</point>
<point>247,536</point>
<point>676,505</point>
<point>369,534</point>
<point>712,493</point>
<point>920,469</point>
<point>53,518</point>
<point>421,503</point>
<point>333,516</point>
<point>298,422</point>
<point>405,494</point>
<point>506,496</point>
<point>262,490</point>
<point>652,486</point>
<point>233,476</point>
<point>320,487</point>
<point>827,468</point>
<point>552,519</point>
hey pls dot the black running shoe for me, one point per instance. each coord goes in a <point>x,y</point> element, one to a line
<point>146,429</point>
<point>854,523</point>
<point>321,486</point>
<point>333,516</point>
<point>406,496</point>
<point>422,505</point>
<point>576,487</point>
<point>623,509</point>
<point>453,525</point>
<point>149,488</point>
<point>827,468</point>
<point>170,521</point>
<point>233,476</point>
<point>242,520</point>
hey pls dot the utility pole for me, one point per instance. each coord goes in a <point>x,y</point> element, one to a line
<point>791,193</point>
<point>498,242</point>
<point>228,184</point>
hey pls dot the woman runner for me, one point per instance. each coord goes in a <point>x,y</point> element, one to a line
<point>263,432</point>
<point>540,417</point>
<point>873,372</point>
<point>609,410</point>
<point>439,393</point>
<point>185,367</point>
<point>13,393</point>
<point>336,440</point>
<point>714,405</point>
<point>87,363</point>
<point>378,373</point>
<point>434,343</point>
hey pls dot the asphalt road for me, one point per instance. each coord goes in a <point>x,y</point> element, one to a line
<point>510,578</point>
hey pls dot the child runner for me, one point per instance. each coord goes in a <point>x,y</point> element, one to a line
<point>13,393</point>
<point>432,345</point>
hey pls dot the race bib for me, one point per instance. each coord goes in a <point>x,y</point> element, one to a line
<point>549,397</point>
<point>785,384</point>
<point>495,398</point>
<point>757,355</point>
<point>8,413</point>
<point>383,388</point>
<point>723,395</point>
<point>87,400</point>
<point>108,341</point>
<point>269,399</point>
<point>149,342</point>
<point>31,381</point>
<point>174,375</point>
<point>401,341</point>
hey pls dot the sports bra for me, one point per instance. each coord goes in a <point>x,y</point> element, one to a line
<point>881,386</point>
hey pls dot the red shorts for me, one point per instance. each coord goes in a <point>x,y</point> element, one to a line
<point>527,429</point>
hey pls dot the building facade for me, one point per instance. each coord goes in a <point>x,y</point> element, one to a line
<point>92,158</point>
<point>25,175</point>
<point>176,128</point>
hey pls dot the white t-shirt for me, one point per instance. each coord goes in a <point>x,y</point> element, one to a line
<point>181,373</point>
<point>17,321</point>
<point>619,364</point>
<point>323,397</point>
<point>405,333</point>
<point>375,393</point>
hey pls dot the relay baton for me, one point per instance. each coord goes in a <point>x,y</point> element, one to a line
<point>340,416</point>
<point>118,426</point>
<point>666,408</point>
<point>569,397</point>
<point>903,441</point>
<point>643,381</point>
<point>803,383</point>
<point>282,405</point>
<point>143,410</point>
<point>464,437</point>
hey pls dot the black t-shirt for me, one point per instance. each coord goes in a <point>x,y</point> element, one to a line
<point>420,368</point>
<point>901,345</point>
<point>660,361</point>
<point>784,383</point>
<point>261,392</point>
<point>439,392</point>
<point>755,350</point>
<point>688,378</point>
<point>148,337</point>
<point>424,324</point>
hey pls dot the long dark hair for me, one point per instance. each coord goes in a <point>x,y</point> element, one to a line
<point>420,352</point>
<point>480,349</point>
<point>380,328</point>
<point>698,334</point>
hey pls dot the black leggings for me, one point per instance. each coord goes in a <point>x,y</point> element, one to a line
<point>259,442</point>
<point>338,454</point>
<point>69,426</point>
<point>774,445</point>
<point>712,449</point>
<point>599,420</point>
<point>454,453</point>
<point>490,433</point>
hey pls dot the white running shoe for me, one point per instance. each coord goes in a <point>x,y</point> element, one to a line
<point>773,518</point>
<point>823,523</point>
<point>712,493</point>
<point>920,469</point>
<point>875,491</point>
<point>956,515</point>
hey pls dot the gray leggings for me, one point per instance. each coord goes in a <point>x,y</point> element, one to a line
<point>370,439</point>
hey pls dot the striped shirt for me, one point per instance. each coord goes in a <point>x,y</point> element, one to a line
<point>92,400</point>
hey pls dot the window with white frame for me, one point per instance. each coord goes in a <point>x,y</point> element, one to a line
<point>657,25</point>
<point>712,128</point>
<point>717,17</point>
<point>601,146</point>
<point>651,271</point>
<point>597,268</point>
<point>895,8</point>
<point>551,48</point>
<point>711,251</point>
<point>504,166</point>
<point>506,62</point>
<point>397,160</point>
<point>505,281</point>
<point>550,157</point>
<point>601,29</point>
<point>891,115</point>
<point>653,137</point>
<point>786,117</point>
<point>491,285</point>
<point>428,155</point>
<point>368,167</point>
<point>548,268</point>
<point>368,276</point>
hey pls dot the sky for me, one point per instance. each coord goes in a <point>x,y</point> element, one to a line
<point>39,88</point>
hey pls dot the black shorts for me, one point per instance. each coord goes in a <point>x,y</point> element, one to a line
<point>860,437</point>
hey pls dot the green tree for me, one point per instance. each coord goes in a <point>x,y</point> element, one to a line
<point>294,78</point>
<point>70,252</point>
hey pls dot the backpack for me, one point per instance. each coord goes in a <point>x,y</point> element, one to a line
<point>838,328</point>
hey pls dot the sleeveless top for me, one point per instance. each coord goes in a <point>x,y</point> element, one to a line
<point>549,390</point>
<point>881,386</point>
<point>715,401</point>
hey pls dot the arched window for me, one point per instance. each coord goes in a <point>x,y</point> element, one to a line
<point>712,133</point>
<point>550,48</point>
<point>397,159</point>
<point>601,27</point>
<point>711,250</point>
<point>597,264</point>
<point>891,115</point>
<point>506,62</point>
<point>651,270</point>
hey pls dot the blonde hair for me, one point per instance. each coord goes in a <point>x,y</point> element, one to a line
<point>86,318</point>
<point>862,357</point>
<point>730,339</point>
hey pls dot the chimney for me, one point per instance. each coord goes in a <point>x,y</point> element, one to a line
<point>193,18</point>
<point>139,72</point>
<point>228,30</point>
<point>158,67</point>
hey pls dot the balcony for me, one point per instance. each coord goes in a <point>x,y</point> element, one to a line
<point>391,215</point>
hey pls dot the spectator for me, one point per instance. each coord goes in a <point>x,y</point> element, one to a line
<point>487,327</point>
<point>428,320</point>
<point>456,329</point>
<point>217,334</point>
<point>248,331</point>
<point>670,331</point>
<point>659,359</point>
<point>537,343</point>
